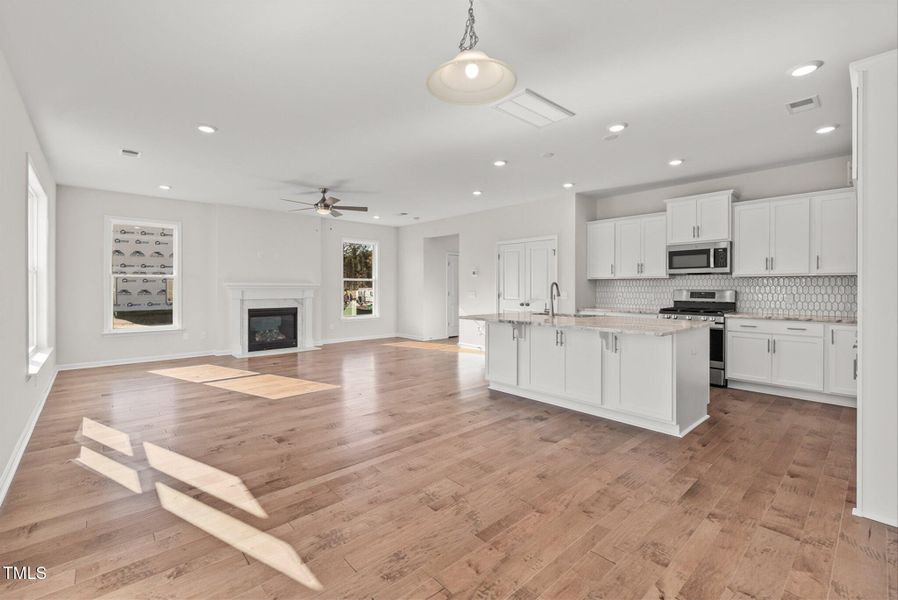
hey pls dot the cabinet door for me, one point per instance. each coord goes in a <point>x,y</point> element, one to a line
<point>681,222</point>
<point>751,239</point>
<point>748,356</point>
<point>610,371</point>
<point>540,269</point>
<point>834,234</point>
<point>546,360</point>
<point>713,218</point>
<point>797,362</point>
<point>501,353</point>
<point>790,236</point>
<point>600,250</point>
<point>654,246</point>
<point>841,355</point>
<point>512,276</point>
<point>583,365</point>
<point>646,391</point>
<point>628,244</point>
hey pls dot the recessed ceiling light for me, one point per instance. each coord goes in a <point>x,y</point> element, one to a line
<point>827,129</point>
<point>500,163</point>
<point>203,128</point>
<point>164,187</point>
<point>567,185</point>
<point>617,127</point>
<point>477,192</point>
<point>676,162</point>
<point>805,69</point>
<point>376,216</point>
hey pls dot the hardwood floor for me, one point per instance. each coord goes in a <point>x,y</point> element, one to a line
<point>412,480</point>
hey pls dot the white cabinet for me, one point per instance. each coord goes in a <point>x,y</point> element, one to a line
<point>546,359</point>
<point>600,249</point>
<point>640,392</point>
<point>772,237</point>
<point>834,233</point>
<point>583,365</point>
<point>627,248</point>
<point>703,218</point>
<point>797,362</point>
<point>841,359</point>
<point>502,353</point>
<point>802,234</point>
<point>526,269</point>
<point>748,356</point>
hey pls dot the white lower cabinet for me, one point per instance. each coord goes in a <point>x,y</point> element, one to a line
<point>502,353</point>
<point>797,362</point>
<point>546,359</point>
<point>792,355</point>
<point>841,360</point>
<point>583,365</point>
<point>642,392</point>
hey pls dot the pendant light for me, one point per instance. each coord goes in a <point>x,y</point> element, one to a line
<point>471,77</point>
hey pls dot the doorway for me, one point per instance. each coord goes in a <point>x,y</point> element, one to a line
<point>451,294</point>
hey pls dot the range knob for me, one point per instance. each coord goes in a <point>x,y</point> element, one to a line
<point>675,317</point>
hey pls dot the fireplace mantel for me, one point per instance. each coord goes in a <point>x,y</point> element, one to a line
<point>243,296</point>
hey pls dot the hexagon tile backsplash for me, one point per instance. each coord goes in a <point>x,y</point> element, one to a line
<point>819,296</point>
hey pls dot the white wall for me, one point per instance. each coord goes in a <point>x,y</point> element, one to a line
<point>218,244</point>
<point>21,398</point>
<point>478,234</point>
<point>433,290</point>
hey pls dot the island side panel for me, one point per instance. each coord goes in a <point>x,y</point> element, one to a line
<point>647,376</point>
<point>692,378</point>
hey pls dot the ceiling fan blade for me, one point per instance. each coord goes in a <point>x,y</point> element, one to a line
<point>298,201</point>
<point>355,208</point>
<point>336,213</point>
<point>331,200</point>
<point>301,209</point>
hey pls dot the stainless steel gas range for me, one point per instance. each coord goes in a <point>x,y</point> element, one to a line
<point>706,305</point>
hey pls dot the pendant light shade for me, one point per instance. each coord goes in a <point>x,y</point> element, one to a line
<point>472,77</point>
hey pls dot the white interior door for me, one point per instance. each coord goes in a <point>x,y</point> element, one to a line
<point>512,275</point>
<point>540,270</point>
<point>790,236</point>
<point>451,295</point>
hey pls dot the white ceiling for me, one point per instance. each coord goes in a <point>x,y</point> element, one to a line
<point>327,91</point>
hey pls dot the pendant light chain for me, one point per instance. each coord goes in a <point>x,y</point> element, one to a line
<point>469,39</point>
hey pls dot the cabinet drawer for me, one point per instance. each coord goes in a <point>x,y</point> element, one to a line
<point>802,328</point>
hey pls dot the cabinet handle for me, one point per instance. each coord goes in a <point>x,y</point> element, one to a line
<point>766,263</point>
<point>526,304</point>
<point>774,345</point>
<point>612,268</point>
<point>855,368</point>
<point>698,231</point>
<point>832,336</point>
<point>797,328</point>
<point>521,304</point>
<point>514,333</point>
<point>561,337</point>
<point>818,262</point>
<point>768,345</point>
<point>749,326</point>
<point>693,232</point>
<point>771,263</point>
<point>556,337</point>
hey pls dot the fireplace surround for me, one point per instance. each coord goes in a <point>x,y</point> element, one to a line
<point>271,328</point>
<point>244,297</point>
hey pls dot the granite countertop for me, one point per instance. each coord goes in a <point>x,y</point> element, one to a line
<point>794,317</point>
<point>631,311</point>
<point>657,327</point>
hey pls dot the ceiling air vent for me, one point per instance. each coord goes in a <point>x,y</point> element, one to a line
<point>530,107</point>
<point>130,153</point>
<point>804,104</point>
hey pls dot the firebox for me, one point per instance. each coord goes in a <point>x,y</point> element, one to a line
<point>271,328</point>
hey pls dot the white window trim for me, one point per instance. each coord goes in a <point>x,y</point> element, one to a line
<point>37,342</point>
<point>109,279</point>
<point>374,274</point>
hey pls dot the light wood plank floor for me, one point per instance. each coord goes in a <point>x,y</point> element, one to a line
<point>412,480</point>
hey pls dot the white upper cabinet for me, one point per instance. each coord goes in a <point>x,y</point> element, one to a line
<point>600,249</point>
<point>804,234</point>
<point>790,236</point>
<point>834,234</point>
<point>703,218</point>
<point>627,248</point>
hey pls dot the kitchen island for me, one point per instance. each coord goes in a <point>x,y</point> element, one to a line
<point>644,372</point>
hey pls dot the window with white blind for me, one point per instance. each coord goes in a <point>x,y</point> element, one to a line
<point>143,291</point>
<point>38,308</point>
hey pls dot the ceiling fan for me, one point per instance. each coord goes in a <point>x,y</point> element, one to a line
<point>325,206</point>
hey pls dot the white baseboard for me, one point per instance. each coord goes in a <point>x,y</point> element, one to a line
<point>480,347</point>
<point>859,513</point>
<point>774,390</point>
<point>9,471</point>
<point>362,338</point>
<point>137,360</point>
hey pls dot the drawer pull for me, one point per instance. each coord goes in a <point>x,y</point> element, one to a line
<point>749,326</point>
<point>797,328</point>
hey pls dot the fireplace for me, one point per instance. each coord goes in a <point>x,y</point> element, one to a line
<point>271,328</point>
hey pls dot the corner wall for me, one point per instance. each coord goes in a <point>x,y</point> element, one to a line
<point>21,398</point>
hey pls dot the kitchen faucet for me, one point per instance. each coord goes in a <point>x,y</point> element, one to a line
<point>554,292</point>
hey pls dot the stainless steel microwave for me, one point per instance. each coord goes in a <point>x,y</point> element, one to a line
<point>685,259</point>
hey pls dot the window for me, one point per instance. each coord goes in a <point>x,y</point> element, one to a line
<point>359,279</point>
<point>142,282</point>
<point>38,280</point>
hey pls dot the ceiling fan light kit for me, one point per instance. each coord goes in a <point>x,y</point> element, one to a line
<point>325,206</point>
<point>472,77</point>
